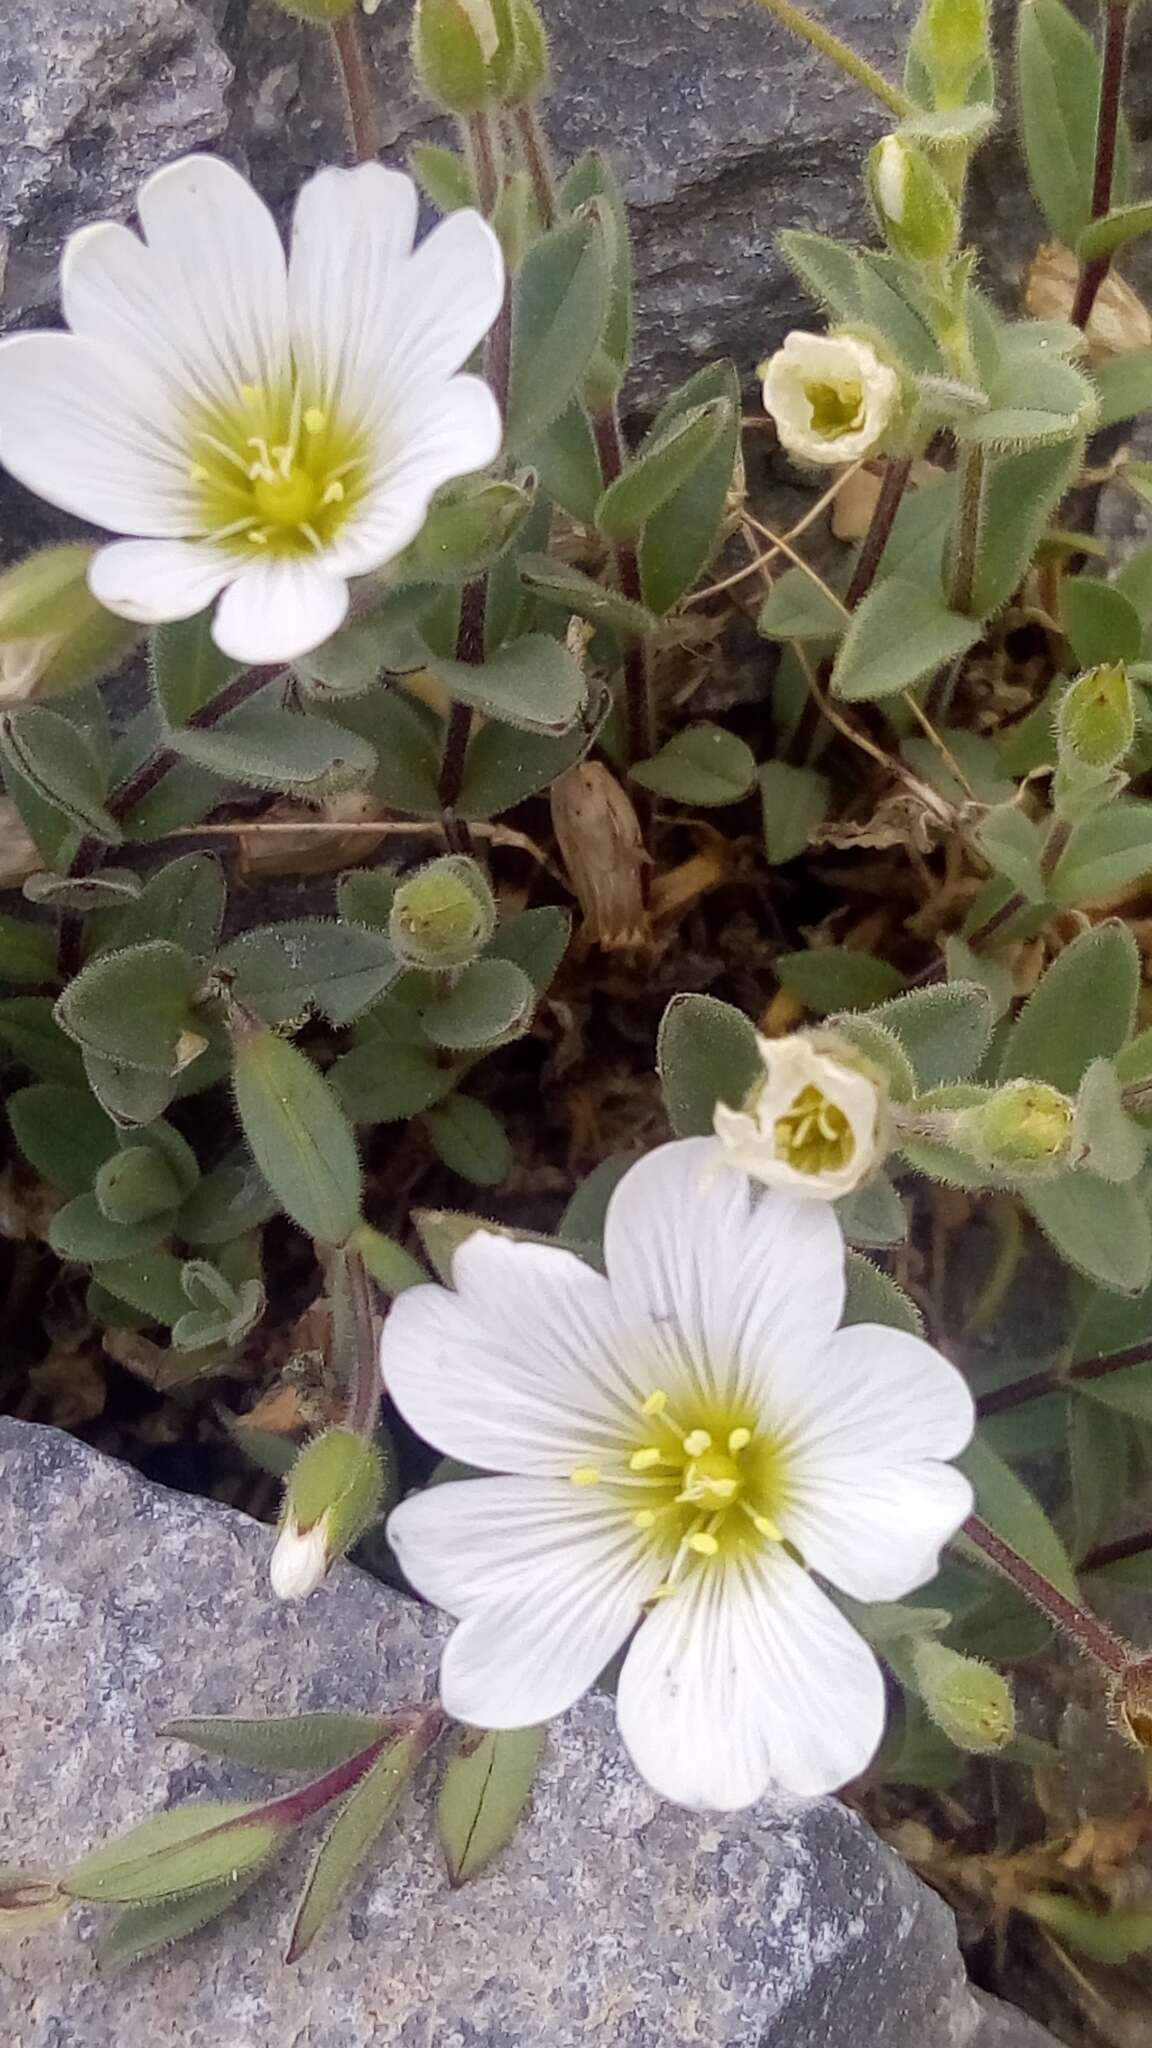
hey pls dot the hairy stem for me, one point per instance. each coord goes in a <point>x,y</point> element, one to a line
<point>359,95</point>
<point>1095,270</point>
<point>969,528</point>
<point>897,471</point>
<point>1038,1384</point>
<point>538,162</point>
<point>1084,1629</point>
<point>829,45</point>
<point>1117,1553</point>
<point>151,772</point>
<point>358,1331</point>
<point>639,714</point>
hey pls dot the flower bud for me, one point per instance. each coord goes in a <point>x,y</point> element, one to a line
<point>443,916</point>
<point>1096,721</point>
<point>333,1494</point>
<point>913,204</point>
<point>968,1699</point>
<point>54,636</point>
<point>455,45</point>
<point>951,41</point>
<point>832,398</point>
<point>29,1899</point>
<point>1025,1126</point>
<point>531,65</point>
<point>813,1125</point>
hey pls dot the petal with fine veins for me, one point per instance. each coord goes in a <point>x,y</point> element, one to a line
<point>279,608</point>
<point>156,580</point>
<point>93,434</point>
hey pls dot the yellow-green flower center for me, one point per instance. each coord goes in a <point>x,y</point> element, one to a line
<point>814,1136</point>
<point>274,473</point>
<point>700,1485</point>
<point>837,408</point>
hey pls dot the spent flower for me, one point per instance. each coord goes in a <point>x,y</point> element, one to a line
<point>832,398</point>
<point>264,428</point>
<point>812,1126</point>
<point>683,1443</point>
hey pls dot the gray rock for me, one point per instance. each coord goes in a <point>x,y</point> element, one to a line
<point>611,1920</point>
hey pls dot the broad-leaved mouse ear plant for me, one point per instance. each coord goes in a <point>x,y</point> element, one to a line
<point>790,1112</point>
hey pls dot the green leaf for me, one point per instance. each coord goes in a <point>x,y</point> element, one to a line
<point>829,269</point>
<point>568,590</point>
<point>1082,1010</point>
<point>794,801</point>
<point>470,1140</point>
<point>584,1219</point>
<point>300,1136</point>
<point>134,1006</point>
<point>1105,1139</point>
<point>188,669</point>
<point>1058,77</point>
<point>706,1053</point>
<point>799,608</point>
<point>1114,230</point>
<point>1004,1502</point>
<point>281,1742</point>
<point>703,765</point>
<point>27,951</point>
<point>137,1184</point>
<point>680,539</point>
<point>1111,1938</point>
<point>1021,491</point>
<point>873,1216</point>
<point>836,978</point>
<point>47,754</point>
<point>882,1048</point>
<point>392,1268</point>
<point>560,302</point>
<point>534,683</point>
<point>277,749</point>
<point>489,1001</point>
<point>30,1035</point>
<point>144,1929</point>
<point>63,1133</point>
<point>1099,1456</point>
<point>901,633</point>
<point>184,903</point>
<point>874,1297</point>
<point>1127,1391</point>
<point>175,1852</point>
<point>567,464</point>
<point>1100,622</point>
<point>1124,385</point>
<point>149,1281</point>
<point>443,174</point>
<point>283,971</point>
<point>1106,853</point>
<point>664,463</point>
<point>593,179</point>
<point>130,1095</point>
<point>1013,844</point>
<point>535,940</point>
<point>406,738</point>
<point>1102,1229</point>
<point>484,1791</point>
<point>505,765</point>
<point>944,1031</point>
<point>350,1837</point>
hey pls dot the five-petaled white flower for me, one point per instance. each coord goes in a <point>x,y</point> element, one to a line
<point>830,395</point>
<point>686,1442</point>
<point>264,428</point>
<point>812,1126</point>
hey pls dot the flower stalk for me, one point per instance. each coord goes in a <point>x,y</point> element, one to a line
<point>841,53</point>
<point>897,470</point>
<point>1095,270</point>
<point>360,102</point>
<point>639,712</point>
<point>1090,1634</point>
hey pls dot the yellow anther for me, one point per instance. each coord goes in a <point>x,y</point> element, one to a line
<point>585,1475</point>
<point>697,1442</point>
<point>703,1544</point>
<point>724,1489</point>
<point>250,393</point>
<point>645,1518</point>
<point>333,494</point>
<point>739,1440</point>
<point>643,1461</point>
<point>663,1592</point>
<point>258,535</point>
<point>764,1526</point>
<point>197,474</point>
<point>656,1403</point>
<point>314,420</point>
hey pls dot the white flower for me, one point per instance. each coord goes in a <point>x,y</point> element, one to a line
<point>831,397</point>
<point>686,1442</point>
<point>300,1560</point>
<point>266,429</point>
<point>811,1127</point>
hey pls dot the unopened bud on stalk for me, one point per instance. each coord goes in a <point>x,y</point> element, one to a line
<point>1096,721</point>
<point>444,915</point>
<point>912,202</point>
<point>475,54</point>
<point>951,41</point>
<point>54,636</point>
<point>1025,1126</point>
<point>333,1494</point>
<point>965,1697</point>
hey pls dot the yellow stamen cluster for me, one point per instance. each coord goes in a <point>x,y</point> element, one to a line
<point>274,473</point>
<point>814,1136</point>
<point>836,408</point>
<point>708,1485</point>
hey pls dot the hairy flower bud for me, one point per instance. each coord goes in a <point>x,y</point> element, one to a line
<point>474,54</point>
<point>333,1494</point>
<point>1025,1126</point>
<point>54,636</point>
<point>913,205</point>
<point>832,398</point>
<point>951,41</point>
<point>444,915</point>
<point>1096,721</point>
<point>967,1698</point>
<point>813,1125</point>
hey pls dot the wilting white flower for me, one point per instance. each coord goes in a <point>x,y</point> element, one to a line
<point>300,1560</point>
<point>831,397</point>
<point>685,1442</point>
<point>812,1126</point>
<point>264,428</point>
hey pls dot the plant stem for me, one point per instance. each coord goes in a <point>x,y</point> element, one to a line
<point>969,525</point>
<point>841,53</point>
<point>1093,272</point>
<point>359,95</point>
<point>638,708</point>
<point>897,471</point>
<point>458,730</point>
<point>538,162</point>
<point>1038,1384</point>
<point>483,147</point>
<point>365,1386</point>
<point>1086,1630</point>
<point>151,772</point>
<point>428,1723</point>
<point>1116,1553</point>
